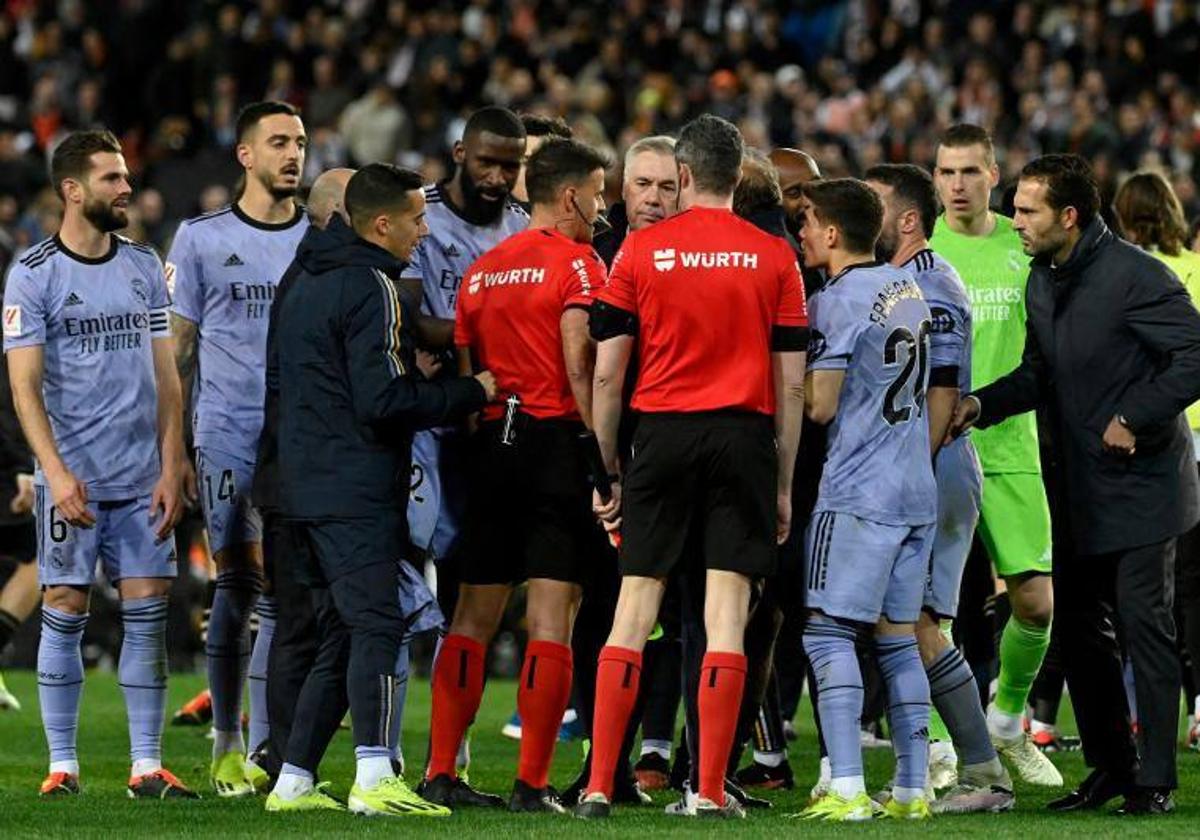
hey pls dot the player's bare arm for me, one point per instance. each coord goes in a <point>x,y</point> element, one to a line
<point>822,389</point>
<point>940,403</point>
<point>788,372</point>
<point>579,354</point>
<point>25,370</point>
<point>612,360</point>
<point>168,492</point>
<point>185,335</point>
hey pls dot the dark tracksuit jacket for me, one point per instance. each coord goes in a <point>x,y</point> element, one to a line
<point>350,395</point>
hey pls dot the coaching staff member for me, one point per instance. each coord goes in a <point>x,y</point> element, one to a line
<point>717,310</point>
<point>349,403</point>
<point>1113,351</point>
<point>523,314</point>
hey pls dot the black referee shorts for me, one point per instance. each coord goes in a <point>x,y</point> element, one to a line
<point>529,507</point>
<point>713,471</point>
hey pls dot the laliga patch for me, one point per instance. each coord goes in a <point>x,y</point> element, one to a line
<point>12,320</point>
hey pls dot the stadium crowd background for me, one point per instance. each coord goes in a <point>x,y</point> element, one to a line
<point>855,83</point>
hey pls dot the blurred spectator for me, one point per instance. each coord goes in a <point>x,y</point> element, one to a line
<point>857,82</point>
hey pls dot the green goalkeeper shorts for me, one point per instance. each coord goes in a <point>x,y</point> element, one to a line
<point>1014,523</point>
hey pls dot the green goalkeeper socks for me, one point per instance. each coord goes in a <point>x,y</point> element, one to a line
<point>1022,647</point>
<point>937,727</point>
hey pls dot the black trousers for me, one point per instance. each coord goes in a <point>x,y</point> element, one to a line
<point>361,628</point>
<point>1187,609</point>
<point>1134,588</point>
<point>294,648</point>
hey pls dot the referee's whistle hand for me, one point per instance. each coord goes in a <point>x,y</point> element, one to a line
<point>609,513</point>
<point>488,381</point>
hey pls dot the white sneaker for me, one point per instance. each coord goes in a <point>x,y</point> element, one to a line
<point>685,806</point>
<point>977,793</point>
<point>731,810</point>
<point>870,741</point>
<point>824,780</point>
<point>1031,764</point>
<point>943,765</point>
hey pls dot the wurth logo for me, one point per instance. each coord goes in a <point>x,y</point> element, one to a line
<point>666,259</point>
<point>488,279</point>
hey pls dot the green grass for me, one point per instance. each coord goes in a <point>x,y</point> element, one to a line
<point>104,811</point>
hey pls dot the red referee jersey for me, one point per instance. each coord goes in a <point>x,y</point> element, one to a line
<point>510,310</point>
<point>708,288</point>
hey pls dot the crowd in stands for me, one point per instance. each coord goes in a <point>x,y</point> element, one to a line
<point>856,83</point>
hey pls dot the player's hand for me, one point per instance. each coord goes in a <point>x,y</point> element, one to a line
<point>965,415</point>
<point>609,513</point>
<point>22,502</point>
<point>488,382</point>
<point>1118,440</point>
<point>166,503</point>
<point>783,517</point>
<point>188,484</point>
<point>428,364</point>
<point>70,499</point>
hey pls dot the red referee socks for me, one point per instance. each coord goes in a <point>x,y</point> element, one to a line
<point>617,678</point>
<point>722,680</point>
<point>541,700</point>
<point>457,690</point>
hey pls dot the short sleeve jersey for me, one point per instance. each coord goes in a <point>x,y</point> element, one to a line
<point>510,314</point>
<point>442,258</point>
<point>949,314</point>
<point>227,266</point>
<point>995,271</point>
<point>708,290</point>
<point>95,320</point>
<point>872,322</point>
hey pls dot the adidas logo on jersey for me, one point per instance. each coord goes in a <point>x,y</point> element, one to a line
<point>451,251</point>
<point>73,300</point>
<point>234,259</point>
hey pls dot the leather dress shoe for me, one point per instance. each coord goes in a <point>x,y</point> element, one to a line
<point>1098,788</point>
<point>1146,802</point>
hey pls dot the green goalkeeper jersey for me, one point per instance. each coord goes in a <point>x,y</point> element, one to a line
<point>995,270</point>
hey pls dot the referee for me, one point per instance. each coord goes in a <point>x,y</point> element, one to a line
<point>349,403</point>
<point>714,448</point>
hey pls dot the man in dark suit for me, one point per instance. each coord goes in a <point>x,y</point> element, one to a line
<point>1113,353</point>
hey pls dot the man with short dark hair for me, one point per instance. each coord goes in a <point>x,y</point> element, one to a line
<point>349,403</point>
<point>227,265</point>
<point>867,544</point>
<point>538,129</point>
<point>707,451</point>
<point>88,343</point>
<point>1112,348</point>
<point>910,212</point>
<point>524,315</point>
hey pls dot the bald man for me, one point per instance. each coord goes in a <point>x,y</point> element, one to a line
<point>327,196</point>
<point>295,644</point>
<point>795,169</point>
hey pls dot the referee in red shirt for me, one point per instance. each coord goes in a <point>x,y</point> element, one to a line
<point>523,314</point>
<point>717,310</point>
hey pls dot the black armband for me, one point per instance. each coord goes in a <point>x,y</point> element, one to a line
<point>608,321</point>
<point>789,339</point>
<point>943,377</point>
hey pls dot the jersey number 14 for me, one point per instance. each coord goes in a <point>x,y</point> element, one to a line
<point>906,394</point>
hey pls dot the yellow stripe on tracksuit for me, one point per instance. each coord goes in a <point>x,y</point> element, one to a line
<point>392,319</point>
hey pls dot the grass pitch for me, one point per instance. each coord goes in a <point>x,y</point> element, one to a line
<point>104,810</point>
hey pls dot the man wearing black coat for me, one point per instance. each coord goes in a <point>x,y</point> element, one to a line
<point>1113,354</point>
<point>350,400</point>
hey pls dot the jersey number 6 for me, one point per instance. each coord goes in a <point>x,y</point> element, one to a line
<point>906,393</point>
